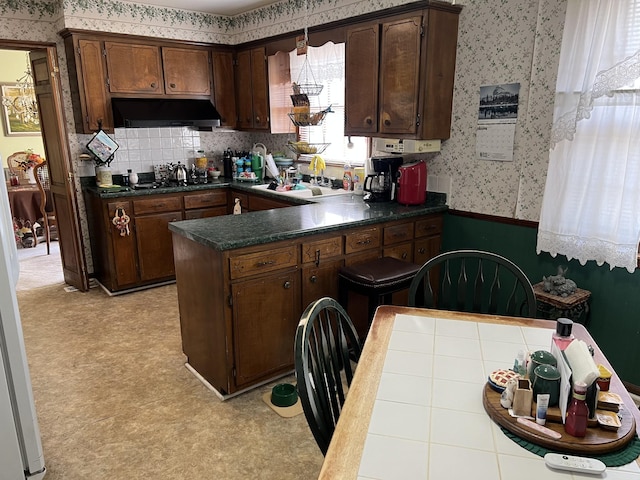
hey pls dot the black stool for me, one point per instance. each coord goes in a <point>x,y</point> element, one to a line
<point>377,279</point>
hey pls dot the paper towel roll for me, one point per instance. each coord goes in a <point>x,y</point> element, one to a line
<point>583,368</point>
<point>271,166</point>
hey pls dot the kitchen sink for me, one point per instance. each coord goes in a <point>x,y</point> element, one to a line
<point>307,192</point>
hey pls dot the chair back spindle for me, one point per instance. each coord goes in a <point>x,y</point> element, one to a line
<point>326,348</point>
<point>486,283</point>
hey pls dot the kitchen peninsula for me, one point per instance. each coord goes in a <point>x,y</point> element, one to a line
<point>244,280</point>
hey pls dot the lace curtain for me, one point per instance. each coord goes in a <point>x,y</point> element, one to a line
<point>591,204</point>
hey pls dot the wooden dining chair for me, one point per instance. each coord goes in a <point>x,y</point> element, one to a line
<point>473,281</point>
<point>326,351</point>
<point>41,172</point>
<point>14,161</point>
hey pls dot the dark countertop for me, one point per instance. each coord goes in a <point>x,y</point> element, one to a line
<point>324,215</point>
<point>119,192</point>
<point>311,216</point>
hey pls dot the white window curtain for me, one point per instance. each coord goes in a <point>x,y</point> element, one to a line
<point>591,204</point>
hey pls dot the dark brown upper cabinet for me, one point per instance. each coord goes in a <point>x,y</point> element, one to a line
<point>400,73</point>
<point>252,89</point>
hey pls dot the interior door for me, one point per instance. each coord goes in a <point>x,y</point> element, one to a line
<point>46,76</point>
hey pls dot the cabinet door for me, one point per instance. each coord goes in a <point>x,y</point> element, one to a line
<point>186,71</point>
<point>321,281</point>
<point>244,100</point>
<point>252,89</point>
<point>123,248</point>
<point>400,75</point>
<point>362,53</point>
<point>134,68</point>
<point>94,100</point>
<point>223,88</point>
<point>426,248</point>
<point>260,89</point>
<point>155,245</point>
<point>265,316</point>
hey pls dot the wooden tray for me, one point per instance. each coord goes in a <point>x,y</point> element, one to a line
<point>597,441</point>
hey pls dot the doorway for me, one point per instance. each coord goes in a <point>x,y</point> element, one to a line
<point>48,91</point>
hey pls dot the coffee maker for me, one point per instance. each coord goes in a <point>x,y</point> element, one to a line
<point>380,183</point>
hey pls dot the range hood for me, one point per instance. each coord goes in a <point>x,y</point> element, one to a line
<point>163,112</point>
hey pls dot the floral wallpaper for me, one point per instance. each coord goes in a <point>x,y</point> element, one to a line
<point>503,41</point>
<point>518,42</point>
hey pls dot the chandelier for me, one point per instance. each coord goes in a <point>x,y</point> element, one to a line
<point>23,105</point>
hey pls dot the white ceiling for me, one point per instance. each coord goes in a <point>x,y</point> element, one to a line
<point>215,7</point>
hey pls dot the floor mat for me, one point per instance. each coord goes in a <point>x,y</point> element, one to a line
<point>285,412</point>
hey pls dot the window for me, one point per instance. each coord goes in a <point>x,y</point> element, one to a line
<point>324,66</point>
<point>591,204</point>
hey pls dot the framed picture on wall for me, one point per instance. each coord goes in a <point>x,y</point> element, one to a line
<point>19,110</point>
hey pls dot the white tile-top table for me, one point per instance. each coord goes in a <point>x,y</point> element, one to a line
<point>415,409</point>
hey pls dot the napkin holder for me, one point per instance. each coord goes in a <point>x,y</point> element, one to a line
<point>522,398</point>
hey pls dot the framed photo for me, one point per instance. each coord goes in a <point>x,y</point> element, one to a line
<point>102,147</point>
<point>13,121</point>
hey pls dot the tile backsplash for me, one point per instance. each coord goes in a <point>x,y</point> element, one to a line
<point>142,148</point>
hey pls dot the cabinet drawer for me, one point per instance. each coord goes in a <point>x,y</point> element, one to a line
<point>205,213</point>
<point>362,240</point>
<point>321,249</point>
<point>429,226</point>
<point>157,204</point>
<point>260,262</point>
<point>203,200</point>
<point>398,233</point>
<point>401,252</point>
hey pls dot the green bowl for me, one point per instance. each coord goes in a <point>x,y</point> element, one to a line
<point>284,395</point>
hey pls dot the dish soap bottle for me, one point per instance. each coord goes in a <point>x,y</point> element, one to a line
<point>578,413</point>
<point>347,179</point>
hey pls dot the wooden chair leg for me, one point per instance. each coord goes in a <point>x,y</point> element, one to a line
<point>47,237</point>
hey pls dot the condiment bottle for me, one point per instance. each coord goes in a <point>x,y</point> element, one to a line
<point>578,413</point>
<point>563,336</point>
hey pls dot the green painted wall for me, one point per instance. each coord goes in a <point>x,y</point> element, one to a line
<point>614,319</point>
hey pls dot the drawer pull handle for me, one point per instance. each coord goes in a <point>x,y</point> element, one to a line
<point>364,242</point>
<point>287,285</point>
<point>313,279</point>
<point>172,85</point>
<point>421,251</point>
<point>266,262</point>
<point>153,84</point>
<point>404,255</point>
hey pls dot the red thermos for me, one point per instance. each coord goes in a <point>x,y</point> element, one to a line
<point>412,183</point>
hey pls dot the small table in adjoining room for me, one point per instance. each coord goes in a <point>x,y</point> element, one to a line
<point>24,202</point>
<point>552,307</point>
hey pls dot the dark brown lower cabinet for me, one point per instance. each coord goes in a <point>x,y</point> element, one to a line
<point>142,254</point>
<point>265,317</point>
<point>239,308</point>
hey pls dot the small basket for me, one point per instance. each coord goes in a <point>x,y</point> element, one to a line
<point>308,119</point>
<point>310,89</point>
<point>308,149</point>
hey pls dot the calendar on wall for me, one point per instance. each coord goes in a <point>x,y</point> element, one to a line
<point>497,116</point>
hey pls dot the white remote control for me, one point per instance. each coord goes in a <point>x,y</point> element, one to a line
<point>574,464</point>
